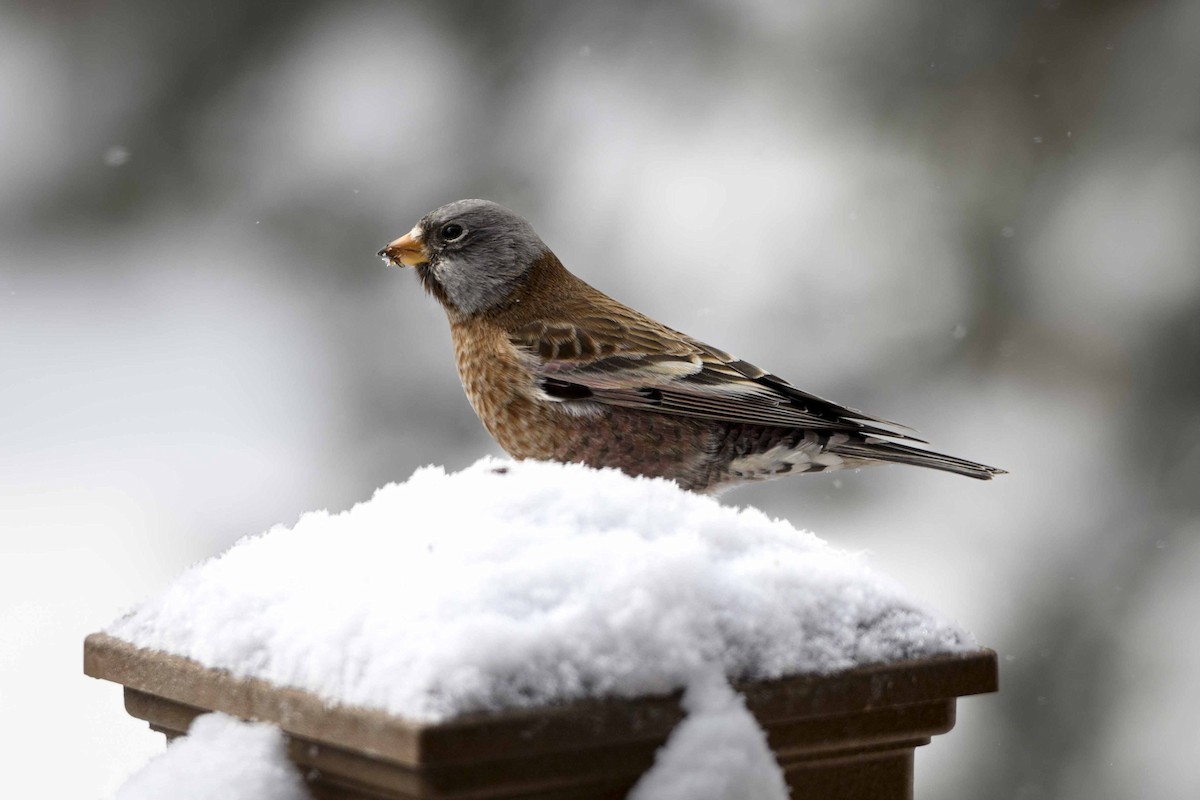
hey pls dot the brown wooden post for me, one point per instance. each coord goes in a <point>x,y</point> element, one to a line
<point>849,735</point>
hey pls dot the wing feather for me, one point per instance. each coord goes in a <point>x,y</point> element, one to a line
<point>630,361</point>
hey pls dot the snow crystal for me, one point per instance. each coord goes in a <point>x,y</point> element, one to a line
<point>514,584</point>
<point>716,753</point>
<point>116,156</point>
<point>221,757</point>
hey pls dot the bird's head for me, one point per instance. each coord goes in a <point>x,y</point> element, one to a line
<point>470,255</point>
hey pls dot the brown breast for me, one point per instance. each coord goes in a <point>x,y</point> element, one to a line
<point>500,387</point>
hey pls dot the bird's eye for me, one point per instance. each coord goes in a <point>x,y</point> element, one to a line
<point>452,231</point>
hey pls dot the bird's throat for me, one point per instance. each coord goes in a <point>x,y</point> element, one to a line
<point>432,285</point>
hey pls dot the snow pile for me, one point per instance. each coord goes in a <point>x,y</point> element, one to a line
<point>221,758</point>
<point>518,583</point>
<point>718,752</point>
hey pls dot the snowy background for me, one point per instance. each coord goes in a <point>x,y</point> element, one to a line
<point>979,219</point>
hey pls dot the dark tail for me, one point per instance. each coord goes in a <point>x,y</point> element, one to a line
<point>893,452</point>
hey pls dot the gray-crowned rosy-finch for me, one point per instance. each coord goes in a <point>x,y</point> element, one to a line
<point>558,370</point>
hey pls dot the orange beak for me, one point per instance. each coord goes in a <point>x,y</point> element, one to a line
<point>407,251</point>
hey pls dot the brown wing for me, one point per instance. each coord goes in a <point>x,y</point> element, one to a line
<point>629,360</point>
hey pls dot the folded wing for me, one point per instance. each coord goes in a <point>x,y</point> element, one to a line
<point>630,361</point>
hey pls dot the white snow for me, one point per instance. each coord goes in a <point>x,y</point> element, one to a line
<point>718,752</point>
<point>518,583</point>
<point>221,758</point>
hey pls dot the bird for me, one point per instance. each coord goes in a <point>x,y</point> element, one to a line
<point>559,371</point>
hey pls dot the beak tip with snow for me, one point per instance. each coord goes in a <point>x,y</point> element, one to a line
<point>407,251</point>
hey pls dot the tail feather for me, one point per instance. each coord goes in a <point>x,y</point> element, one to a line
<point>896,453</point>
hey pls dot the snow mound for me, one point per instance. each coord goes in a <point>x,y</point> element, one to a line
<point>221,757</point>
<point>514,584</point>
<point>718,752</point>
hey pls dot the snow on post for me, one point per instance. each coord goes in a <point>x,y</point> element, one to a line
<point>221,757</point>
<point>516,584</point>
<point>718,752</point>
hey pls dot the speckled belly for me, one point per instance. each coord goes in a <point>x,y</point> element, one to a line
<point>636,442</point>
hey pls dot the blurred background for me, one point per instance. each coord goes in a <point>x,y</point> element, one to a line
<point>977,218</point>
